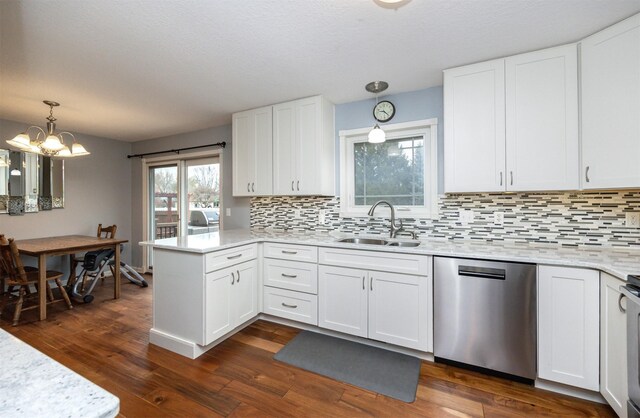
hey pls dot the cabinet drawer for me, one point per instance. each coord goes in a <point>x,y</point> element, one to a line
<point>301,307</point>
<point>293,252</point>
<point>377,260</point>
<point>225,258</point>
<point>292,275</point>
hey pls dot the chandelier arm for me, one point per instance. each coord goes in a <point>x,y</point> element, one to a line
<point>41,131</point>
<point>68,133</point>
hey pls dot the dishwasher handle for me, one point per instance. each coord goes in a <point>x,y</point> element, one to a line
<point>482,272</point>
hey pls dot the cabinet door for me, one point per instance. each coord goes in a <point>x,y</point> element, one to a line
<point>243,152</point>
<point>568,326</point>
<point>611,107</point>
<point>284,148</point>
<point>399,309</point>
<point>613,344</point>
<point>542,120</point>
<point>262,182</point>
<point>245,292</point>
<point>252,135</point>
<point>474,135</point>
<point>308,145</point>
<point>342,300</point>
<point>218,309</point>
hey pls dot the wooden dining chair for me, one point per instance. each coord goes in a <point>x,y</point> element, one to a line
<point>20,280</point>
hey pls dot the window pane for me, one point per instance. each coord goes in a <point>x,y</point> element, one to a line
<point>392,171</point>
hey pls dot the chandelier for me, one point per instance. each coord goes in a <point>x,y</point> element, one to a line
<point>48,142</point>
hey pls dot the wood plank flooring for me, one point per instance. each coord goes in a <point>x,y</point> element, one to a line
<point>107,342</point>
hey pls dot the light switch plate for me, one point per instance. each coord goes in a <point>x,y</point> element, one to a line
<point>227,211</point>
<point>498,218</point>
<point>632,219</point>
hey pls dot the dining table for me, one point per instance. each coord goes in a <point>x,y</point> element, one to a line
<point>42,248</point>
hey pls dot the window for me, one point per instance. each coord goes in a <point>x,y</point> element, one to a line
<point>402,170</point>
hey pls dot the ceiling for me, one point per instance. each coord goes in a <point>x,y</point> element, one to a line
<point>140,69</point>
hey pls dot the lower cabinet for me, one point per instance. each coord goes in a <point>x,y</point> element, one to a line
<point>389,307</point>
<point>613,344</point>
<point>231,299</point>
<point>569,326</point>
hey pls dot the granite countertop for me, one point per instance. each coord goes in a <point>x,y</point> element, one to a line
<point>34,385</point>
<point>618,262</point>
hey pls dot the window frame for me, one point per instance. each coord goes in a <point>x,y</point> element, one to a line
<point>428,129</point>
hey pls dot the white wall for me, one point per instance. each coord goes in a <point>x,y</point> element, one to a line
<point>239,206</point>
<point>97,190</point>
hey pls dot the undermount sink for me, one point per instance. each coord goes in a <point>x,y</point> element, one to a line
<point>370,241</point>
<point>404,244</point>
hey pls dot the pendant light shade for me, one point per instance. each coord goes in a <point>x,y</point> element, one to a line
<point>377,135</point>
<point>51,144</point>
<point>21,141</point>
<point>77,150</point>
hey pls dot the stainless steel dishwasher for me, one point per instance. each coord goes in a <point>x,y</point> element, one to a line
<point>485,315</point>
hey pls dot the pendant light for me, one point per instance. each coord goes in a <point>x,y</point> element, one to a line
<point>376,135</point>
<point>48,142</point>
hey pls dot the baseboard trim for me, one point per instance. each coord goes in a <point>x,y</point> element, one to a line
<point>588,395</point>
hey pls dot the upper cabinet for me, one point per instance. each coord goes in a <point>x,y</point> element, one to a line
<point>611,107</point>
<point>285,149</point>
<point>304,147</point>
<point>252,149</point>
<point>474,111</point>
<point>542,120</point>
<point>512,124</point>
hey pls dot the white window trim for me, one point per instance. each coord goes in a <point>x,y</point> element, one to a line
<point>428,128</point>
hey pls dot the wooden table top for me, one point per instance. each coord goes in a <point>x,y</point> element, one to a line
<point>64,244</point>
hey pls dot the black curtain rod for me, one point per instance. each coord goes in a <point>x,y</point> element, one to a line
<point>177,150</point>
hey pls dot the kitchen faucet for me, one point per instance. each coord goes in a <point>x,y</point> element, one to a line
<point>394,229</point>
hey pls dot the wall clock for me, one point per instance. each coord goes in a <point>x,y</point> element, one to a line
<point>384,111</point>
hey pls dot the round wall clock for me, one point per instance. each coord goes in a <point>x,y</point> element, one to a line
<point>384,111</point>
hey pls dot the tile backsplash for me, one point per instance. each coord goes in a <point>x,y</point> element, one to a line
<point>565,218</point>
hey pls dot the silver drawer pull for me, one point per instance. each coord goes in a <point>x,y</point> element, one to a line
<point>231,257</point>
<point>586,174</point>
<point>291,276</point>
<point>289,252</point>
<point>233,278</point>
<point>238,271</point>
<point>289,306</point>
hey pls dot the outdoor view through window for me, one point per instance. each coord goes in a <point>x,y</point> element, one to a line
<point>392,171</point>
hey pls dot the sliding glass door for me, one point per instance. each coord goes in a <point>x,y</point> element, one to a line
<point>183,198</point>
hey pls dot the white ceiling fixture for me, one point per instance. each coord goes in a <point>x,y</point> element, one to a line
<point>139,69</point>
<point>376,135</point>
<point>48,142</point>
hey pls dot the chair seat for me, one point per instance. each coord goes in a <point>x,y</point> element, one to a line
<point>32,277</point>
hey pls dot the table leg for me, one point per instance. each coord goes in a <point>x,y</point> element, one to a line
<point>116,278</point>
<point>42,285</point>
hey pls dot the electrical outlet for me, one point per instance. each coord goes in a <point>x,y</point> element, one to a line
<point>498,218</point>
<point>632,219</point>
<point>322,216</point>
<point>466,216</point>
<point>228,211</point>
<point>296,213</point>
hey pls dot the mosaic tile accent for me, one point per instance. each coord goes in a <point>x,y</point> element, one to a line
<point>4,203</point>
<point>16,205</point>
<point>563,218</point>
<point>58,203</point>
<point>31,203</point>
<point>45,203</point>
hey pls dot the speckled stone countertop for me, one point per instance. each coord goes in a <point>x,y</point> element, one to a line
<point>34,385</point>
<point>616,261</point>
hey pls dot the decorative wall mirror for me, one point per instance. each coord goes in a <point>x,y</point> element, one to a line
<point>30,182</point>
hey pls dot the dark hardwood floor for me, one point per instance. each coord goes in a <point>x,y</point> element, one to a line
<point>107,342</point>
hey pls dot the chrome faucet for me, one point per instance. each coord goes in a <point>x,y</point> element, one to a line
<point>394,229</point>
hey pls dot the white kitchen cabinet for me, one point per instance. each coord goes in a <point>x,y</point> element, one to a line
<point>610,69</point>
<point>512,124</point>
<point>231,299</point>
<point>304,147</point>
<point>343,300</point>
<point>384,306</point>
<point>474,120</point>
<point>569,326</point>
<point>613,344</point>
<point>399,309</point>
<point>252,133</point>
<point>542,143</point>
